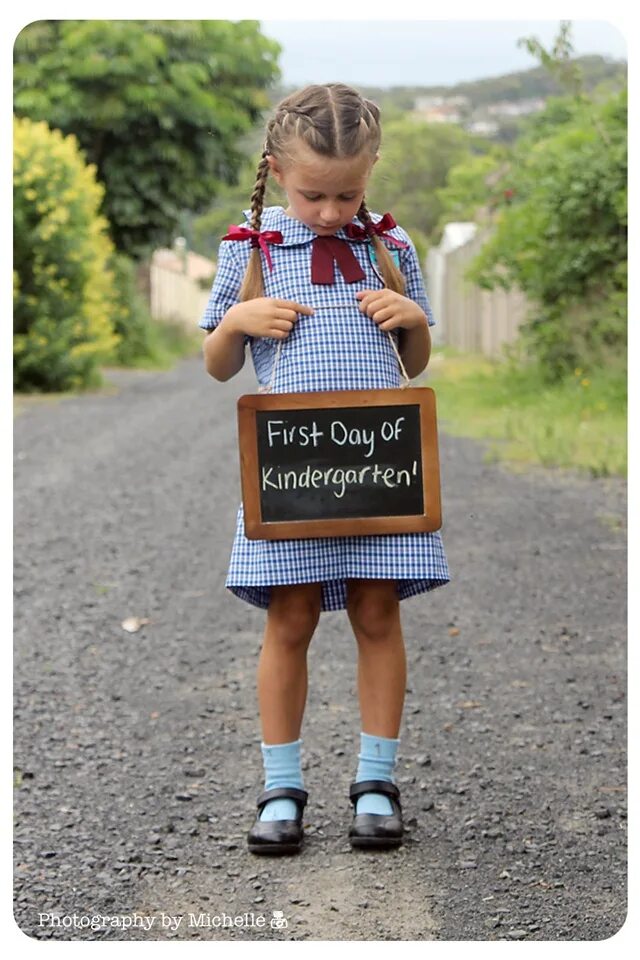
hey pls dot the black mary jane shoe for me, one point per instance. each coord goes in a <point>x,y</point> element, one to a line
<point>278,836</point>
<point>376,829</point>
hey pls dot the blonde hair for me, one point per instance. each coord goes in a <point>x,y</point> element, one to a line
<point>334,121</point>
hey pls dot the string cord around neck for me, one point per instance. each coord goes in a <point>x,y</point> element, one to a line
<point>267,388</point>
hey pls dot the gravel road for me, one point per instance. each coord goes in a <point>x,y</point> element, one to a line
<point>137,761</point>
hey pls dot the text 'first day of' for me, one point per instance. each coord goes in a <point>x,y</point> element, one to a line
<point>303,435</point>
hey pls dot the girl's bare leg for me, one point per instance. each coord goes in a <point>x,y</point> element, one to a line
<point>374,612</point>
<point>282,668</point>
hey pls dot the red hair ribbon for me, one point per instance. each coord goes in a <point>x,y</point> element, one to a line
<point>258,239</point>
<point>354,232</point>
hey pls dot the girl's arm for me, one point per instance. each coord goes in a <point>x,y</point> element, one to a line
<point>415,348</point>
<point>224,349</point>
<point>224,345</point>
<point>393,311</point>
<point>415,343</point>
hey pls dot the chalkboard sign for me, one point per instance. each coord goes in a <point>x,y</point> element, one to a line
<point>339,463</point>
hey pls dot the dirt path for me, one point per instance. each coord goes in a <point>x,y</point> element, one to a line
<point>137,754</point>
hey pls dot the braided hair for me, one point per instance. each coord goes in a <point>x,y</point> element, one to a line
<point>334,121</point>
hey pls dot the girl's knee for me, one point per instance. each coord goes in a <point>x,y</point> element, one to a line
<point>373,607</point>
<point>294,612</point>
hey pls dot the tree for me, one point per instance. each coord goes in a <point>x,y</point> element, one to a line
<point>227,208</point>
<point>157,105</point>
<point>474,188</point>
<point>415,159</point>
<point>558,215</point>
<point>563,240</point>
<point>558,62</point>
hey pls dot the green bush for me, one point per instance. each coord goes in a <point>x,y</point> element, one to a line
<point>64,289</point>
<point>563,239</point>
<point>132,319</point>
<point>145,342</point>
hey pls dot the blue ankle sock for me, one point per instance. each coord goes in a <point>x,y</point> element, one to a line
<point>377,759</point>
<point>283,768</point>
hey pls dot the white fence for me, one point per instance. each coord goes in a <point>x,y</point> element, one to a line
<point>469,318</point>
<point>176,297</point>
<point>174,290</point>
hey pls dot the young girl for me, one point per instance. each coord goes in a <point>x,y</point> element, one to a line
<point>329,297</point>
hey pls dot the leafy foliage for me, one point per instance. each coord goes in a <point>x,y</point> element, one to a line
<point>415,159</point>
<point>563,240</point>
<point>474,187</point>
<point>558,62</point>
<point>64,290</point>
<point>131,317</point>
<point>227,208</point>
<point>157,105</point>
<point>146,342</point>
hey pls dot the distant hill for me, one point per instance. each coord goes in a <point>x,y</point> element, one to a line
<point>522,85</point>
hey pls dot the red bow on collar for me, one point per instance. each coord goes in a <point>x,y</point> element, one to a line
<point>354,232</point>
<point>258,239</point>
<point>324,250</point>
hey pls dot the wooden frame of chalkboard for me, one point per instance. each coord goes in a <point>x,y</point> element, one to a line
<point>339,463</point>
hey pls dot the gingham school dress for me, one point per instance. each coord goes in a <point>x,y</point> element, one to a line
<point>341,350</point>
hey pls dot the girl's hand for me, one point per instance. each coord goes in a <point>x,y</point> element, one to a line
<point>390,309</point>
<point>264,317</point>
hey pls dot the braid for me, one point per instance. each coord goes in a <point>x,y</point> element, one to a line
<point>253,282</point>
<point>257,197</point>
<point>374,112</point>
<point>392,276</point>
<point>294,123</point>
<point>363,214</point>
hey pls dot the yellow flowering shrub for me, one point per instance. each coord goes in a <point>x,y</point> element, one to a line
<point>64,287</point>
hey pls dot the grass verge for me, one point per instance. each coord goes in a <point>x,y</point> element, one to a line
<point>579,423</point>
<point>162,344</point>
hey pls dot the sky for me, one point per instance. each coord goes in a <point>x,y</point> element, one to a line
<point>422,52</point>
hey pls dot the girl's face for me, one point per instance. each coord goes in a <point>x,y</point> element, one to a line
<point>323,192</point>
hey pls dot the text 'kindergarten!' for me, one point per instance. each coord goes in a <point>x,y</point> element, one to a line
<point>357,441</point>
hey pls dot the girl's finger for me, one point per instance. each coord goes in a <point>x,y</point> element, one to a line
<point>282,323</point>
<point>391,324</point>
<point>367,306</point>
<point>296,307</point>
<point>289,315</point>
<point>383,313</point>
<point>375,299</point>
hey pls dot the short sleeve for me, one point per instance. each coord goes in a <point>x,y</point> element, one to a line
<point>415,288</point>
<point>225,288</point>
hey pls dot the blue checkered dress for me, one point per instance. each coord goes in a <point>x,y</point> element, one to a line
<point>331,350</point>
